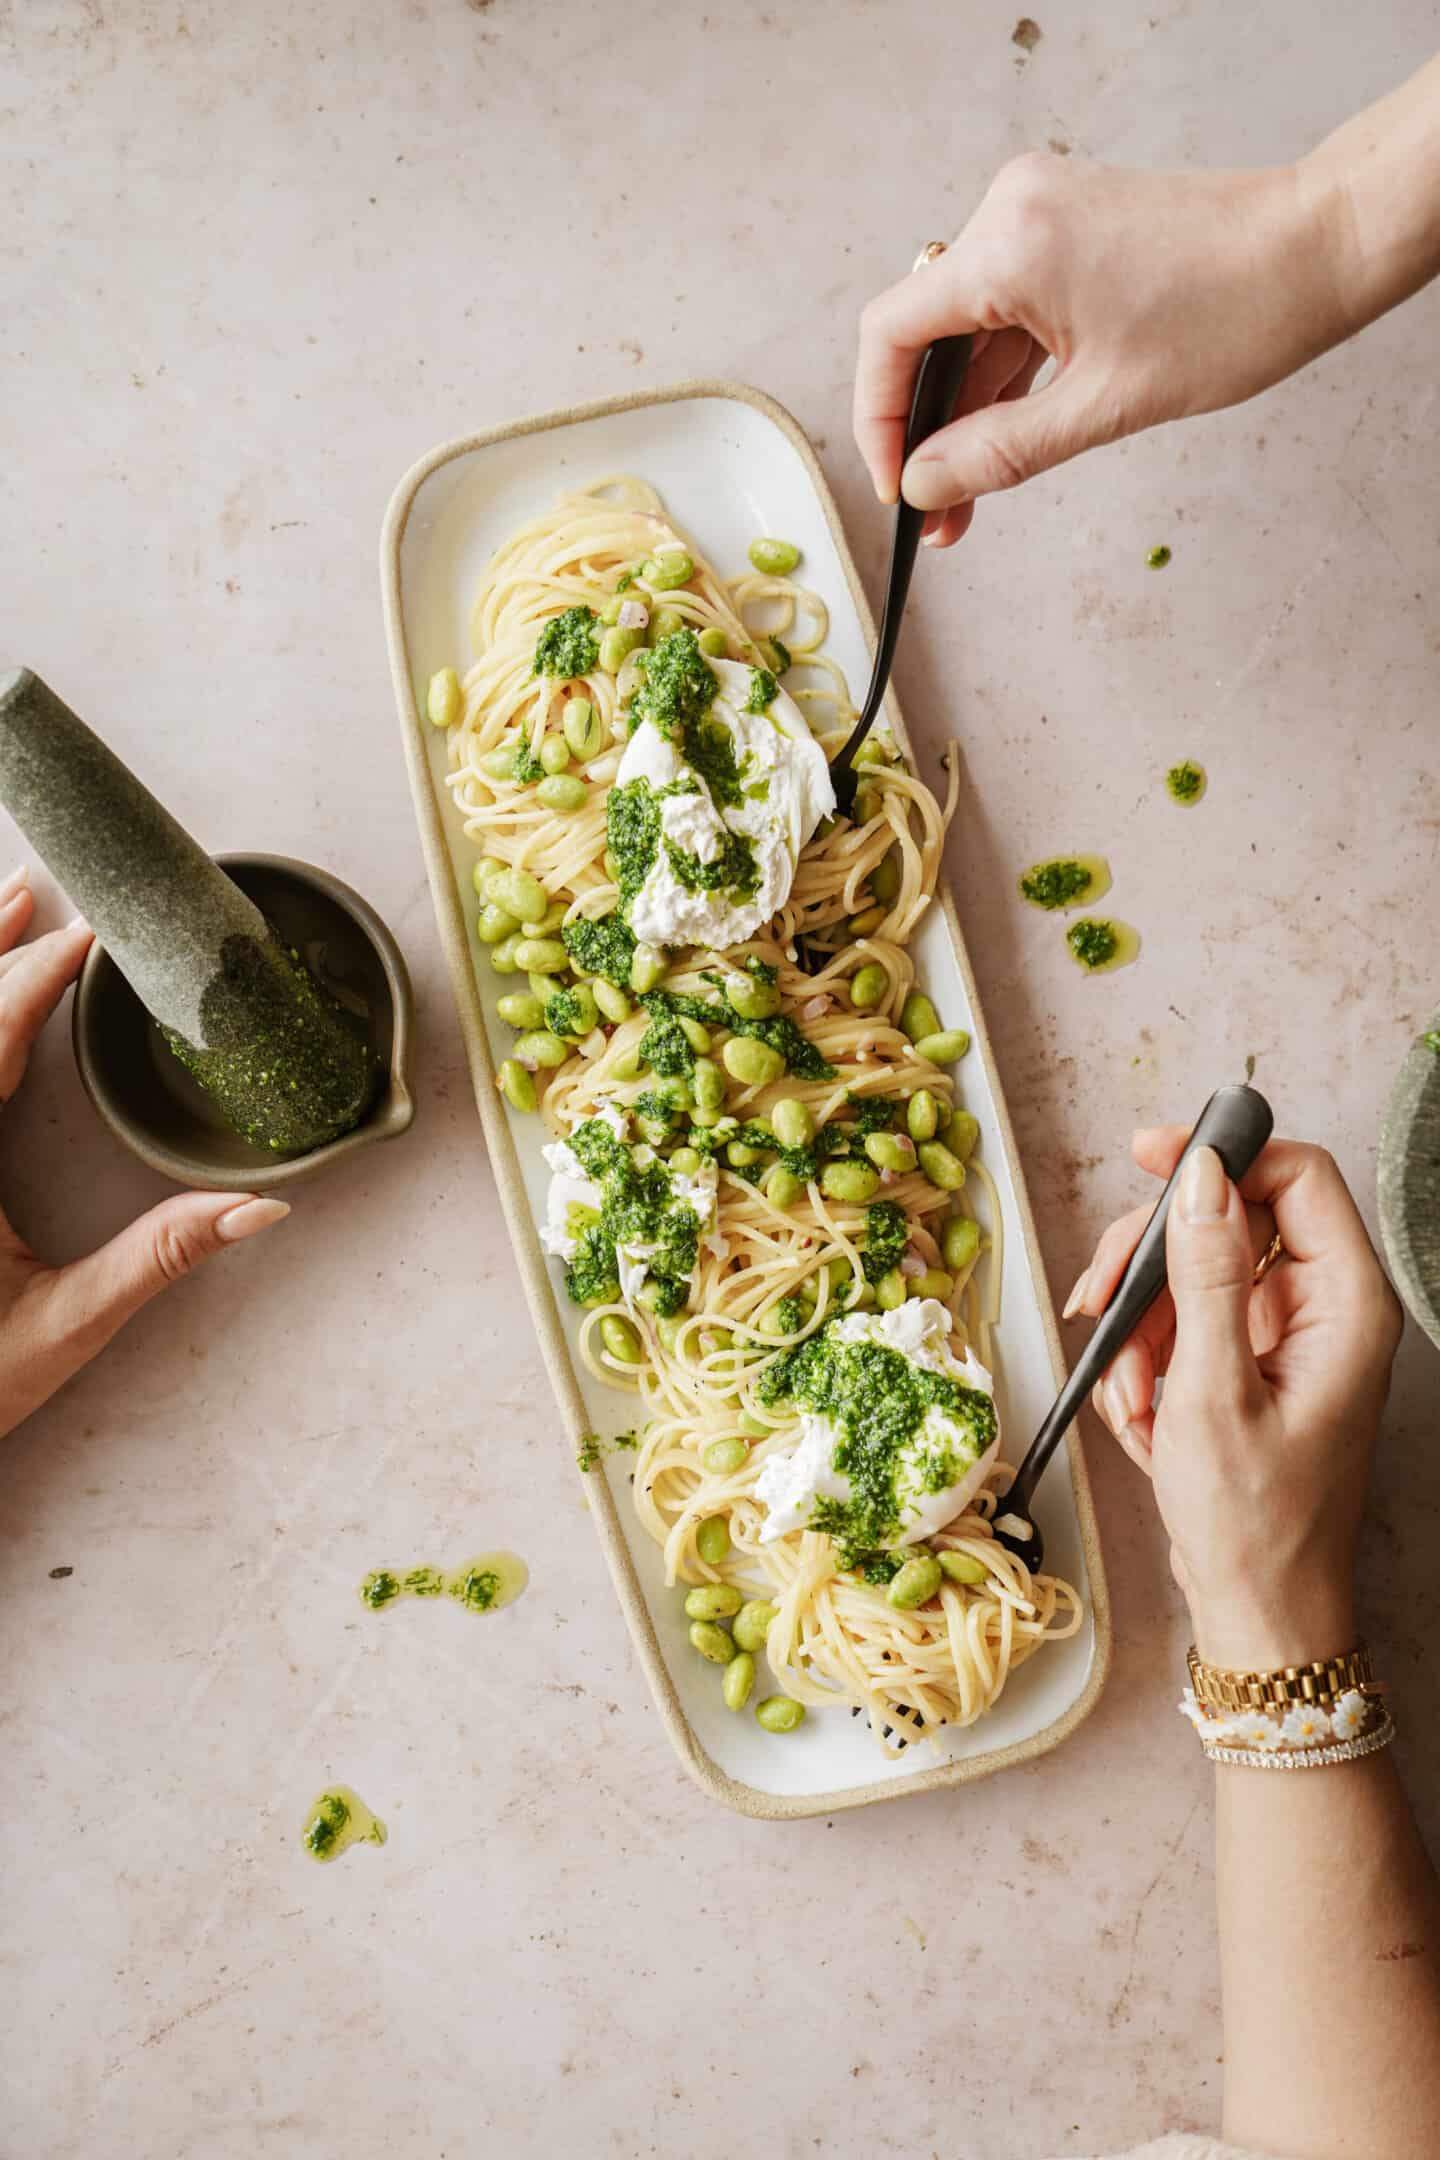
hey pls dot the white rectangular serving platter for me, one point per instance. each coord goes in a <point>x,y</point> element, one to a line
<point>729,463</point>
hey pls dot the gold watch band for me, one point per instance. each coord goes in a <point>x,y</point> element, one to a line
<point>1320,1682</point>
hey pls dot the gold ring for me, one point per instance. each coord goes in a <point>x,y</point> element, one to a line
<point>928,253</point>
<point>1274,1251</point>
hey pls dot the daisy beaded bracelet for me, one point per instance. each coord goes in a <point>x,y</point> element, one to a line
<point>1301,1717</point>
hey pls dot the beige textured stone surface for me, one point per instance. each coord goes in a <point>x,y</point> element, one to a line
<point>259,259</point>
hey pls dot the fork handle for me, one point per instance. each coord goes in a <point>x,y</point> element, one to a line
<point>1236,1122</point>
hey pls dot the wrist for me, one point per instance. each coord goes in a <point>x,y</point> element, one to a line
<point>1250,1630</point>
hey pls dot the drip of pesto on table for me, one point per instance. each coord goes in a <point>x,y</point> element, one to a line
<point>279,1060</point>
<point>1098,944</point>
<point>337,1820</point>
<point>1067,881</point>
<point>482,1585</point>
<point>1185,783</point>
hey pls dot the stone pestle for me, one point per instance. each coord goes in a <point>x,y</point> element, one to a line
<point>242,1013</point>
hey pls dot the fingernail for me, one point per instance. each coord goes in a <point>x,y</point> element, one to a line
<point>12,884</point>
<point>77,922</point>
<point>1204,1194</point>
<point>1077,1296</point>
<point>889,494</point>
<point>1117,1411</point>
<point>250,1217</point>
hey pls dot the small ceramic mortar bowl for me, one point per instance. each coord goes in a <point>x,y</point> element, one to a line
<point>150,1102</point>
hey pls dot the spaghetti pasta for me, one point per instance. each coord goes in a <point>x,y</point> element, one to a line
<point>783,1255</point>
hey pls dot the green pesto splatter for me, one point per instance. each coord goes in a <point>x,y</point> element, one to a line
<point>337,1820</point>
<point>1185,783</point>
<point>1092,942</point>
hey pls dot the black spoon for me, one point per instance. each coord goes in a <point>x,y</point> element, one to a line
<point>1236,1122</point>
<point>937,385</point>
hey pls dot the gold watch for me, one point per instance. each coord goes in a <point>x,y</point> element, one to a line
<point>1321,1682</point>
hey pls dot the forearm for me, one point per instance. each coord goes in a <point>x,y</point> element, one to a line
<point>1330,1963</point>
<point>1375,186</point>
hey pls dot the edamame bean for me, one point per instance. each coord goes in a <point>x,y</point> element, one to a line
<point>620,1339</point>
<point>959,1243</point>
<point>753,1064</point>
<point>751,998</point>
<point>922,1115</point>
<point>891,1151</point>
<point>664,622</point>
<point>616,647</point>
<point>869,987</point>
<point>712,1540</point>
<point>443,699</point>
<point>519,894</point>
<point>668,1331</point>
<point>542,955</point>
<point>871,751</point>
<point>941,1167</point>
<point>962,1133</point>
<point>662,573</point>
<point>752,1623</point>
<point>742,1155</point>
<point>611,866</point>
<point>686,1160</point>
<point>713,1601</point>
<point>554,753</point>
<point>960,1567</point>
<point>854,1182</point>
<point>482,873</point>
<point>502,956</point>
<point>724,1457</point>
<point>695,1033</point>
<point>584,1016</point>
<point>499,763</point>
<point>918,1016</point>
<point>493,923</point>
<point>540,1047</point>
<point>610,613</point>
<point>714,643</point>
<point>520,1011</point>
<point>891,1290</point>
<point>780,1713</point>
<point>612,1002</point>
<point>708,1083</point>
<point>754,1427</point>
<point>868,805</point>
<point>711,1641</point>
<point>916,1583</point>
<point>885,879</point>
<point>544,987</point>
<point>739,1679</point>
<point>774,558</point>
<point>550,922</point>
<point>943,1048</point>
<point>647,969</point>
<point>868,919</point>
<point>562,791</point>
<point>781,1187</point>
<point>792,1122</point>
<point>933,1283</point>
<point>584,729</point>
<point>517,1085</point>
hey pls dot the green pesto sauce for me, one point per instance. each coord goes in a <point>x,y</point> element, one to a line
<point>886,1236</point>
<point>1431,1040</point>
<point>678,687</point>
<point>763,690</point>
<point>603,946</point>
<point>637,1207</point>
<point>563,1014</point>
<point>1093,942</point>
<point>280,1062</point>
<point>632,829</point>
<point>592,1449</point>
<point>337,1820</point>
<point>876,1401</point>
<point>1158,557</point>
<point>481,1585</point>
<point>568,645</point>
<point>1056,884</point>
<point>1185,783</point>
<point>784,660</point>
<point>732,868</point>
<point>666,1040</point>
<point>527,766</point>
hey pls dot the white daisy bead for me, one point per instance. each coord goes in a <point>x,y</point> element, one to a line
<point>1349,1715</point>
<point>1307,1725</point>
